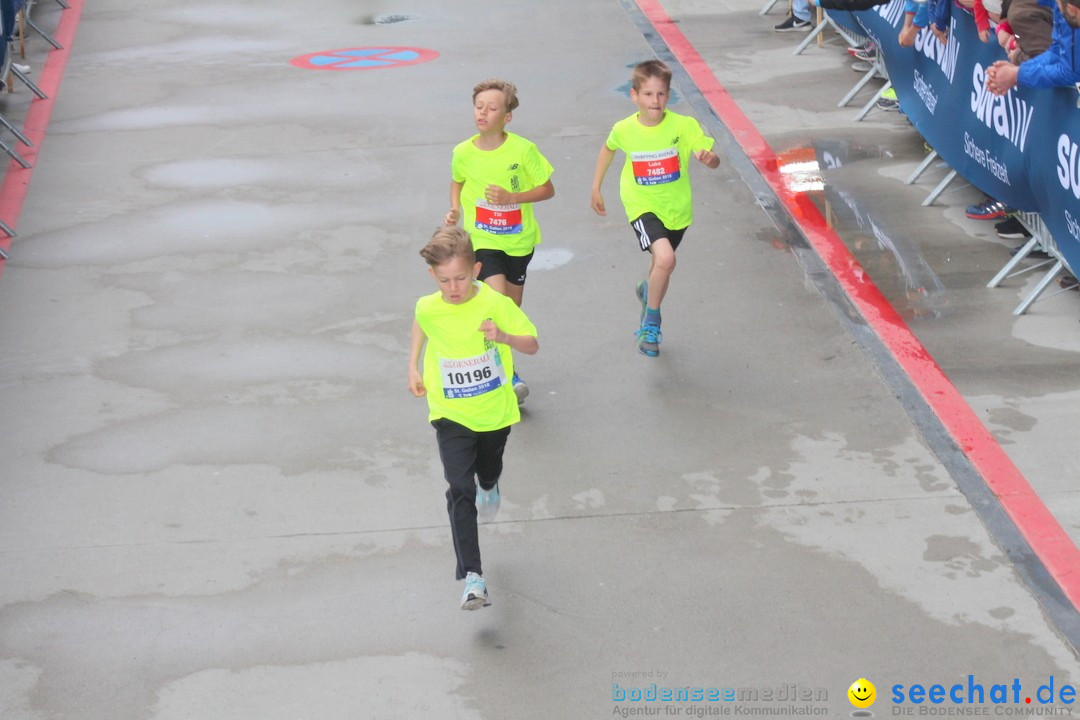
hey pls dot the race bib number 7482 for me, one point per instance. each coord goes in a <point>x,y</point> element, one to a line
<point>655,168</point>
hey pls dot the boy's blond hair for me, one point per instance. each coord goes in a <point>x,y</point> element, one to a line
<point>448,242</point>
<point>650,68</point>
<point>508,89</point>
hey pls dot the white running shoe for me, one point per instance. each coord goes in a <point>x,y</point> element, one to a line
<point>476,594</point>
<point>520,388</point>
<point>487,503</point>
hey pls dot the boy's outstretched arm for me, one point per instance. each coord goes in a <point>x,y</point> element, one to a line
<point>502,196</point>
<point>416,380</point>
<point>454,215</point>
<point>708,158</point>
<point>527,344</point>
<point>603,162</point>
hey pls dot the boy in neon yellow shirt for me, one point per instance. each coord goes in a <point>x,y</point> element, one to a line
<point>655,184</point>
<point>466,331</point>
<point>496,177</point>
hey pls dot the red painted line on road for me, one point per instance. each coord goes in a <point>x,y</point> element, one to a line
<point>16,178</point>
<point>1038,526</point>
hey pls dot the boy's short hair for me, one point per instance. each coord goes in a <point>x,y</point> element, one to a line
<point>650,68</point>
<point>509,91</point>
<point>448,242</point>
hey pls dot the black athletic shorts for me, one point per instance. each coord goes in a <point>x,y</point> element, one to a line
<point>649,228</point>
<point>496,262</point>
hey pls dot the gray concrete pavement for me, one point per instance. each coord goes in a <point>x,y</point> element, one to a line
<point>220,501</point>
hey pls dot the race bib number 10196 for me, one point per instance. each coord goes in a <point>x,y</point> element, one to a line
<point>469,377</point>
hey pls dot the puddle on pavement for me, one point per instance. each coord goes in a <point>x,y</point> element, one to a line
<point>391,19</point>
<point>831,173</point>
<point>550,258</point>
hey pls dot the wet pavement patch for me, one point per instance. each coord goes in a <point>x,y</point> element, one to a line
<point>363,58</point>
<point>388,19</point>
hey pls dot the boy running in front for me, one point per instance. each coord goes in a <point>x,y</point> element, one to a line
<point>655,184</point>
<point>496,177</point>
<point>466,331</point>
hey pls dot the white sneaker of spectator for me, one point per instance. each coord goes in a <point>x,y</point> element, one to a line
<point>21,68</point>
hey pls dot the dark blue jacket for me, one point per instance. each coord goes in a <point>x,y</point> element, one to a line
<point>1057,66</point>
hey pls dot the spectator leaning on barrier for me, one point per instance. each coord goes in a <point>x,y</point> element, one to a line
<point>915,14</point>
<point>1036,25</point>
<point>983,9</point>
<point>941,12</point>
<point>1057,67</point>
<point>1026,29</point>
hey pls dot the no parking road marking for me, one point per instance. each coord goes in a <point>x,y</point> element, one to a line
<point>363,58</point>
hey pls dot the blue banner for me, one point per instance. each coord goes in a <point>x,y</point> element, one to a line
<point>1022,148</point>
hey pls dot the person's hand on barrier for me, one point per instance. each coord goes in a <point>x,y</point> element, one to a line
<point>1004,38</point>
<point>1001,77</point>
<point>907,36</point>
<point>941,35</point>
<point>985,36</point>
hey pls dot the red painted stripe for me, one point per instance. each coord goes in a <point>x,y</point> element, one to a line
<point>16,179</point>
<point>1042,531</point>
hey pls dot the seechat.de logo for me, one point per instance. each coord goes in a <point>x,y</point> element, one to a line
<point>862,695</point>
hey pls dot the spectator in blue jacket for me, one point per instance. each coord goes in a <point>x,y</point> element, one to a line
<point>1059,66</point>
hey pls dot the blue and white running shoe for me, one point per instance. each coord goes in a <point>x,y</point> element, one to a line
<point>520,388</point>
<point>487,503</point>
<point>649,339</point>
<point>476,594</point>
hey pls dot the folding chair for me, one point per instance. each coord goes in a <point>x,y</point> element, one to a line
<point>5,70</point>
<point>25,19</point>
<point>7,20</point>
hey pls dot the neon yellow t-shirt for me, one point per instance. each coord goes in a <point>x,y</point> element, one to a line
<point>468,377</point>
<point>656,175</point>
<point>517,166</point>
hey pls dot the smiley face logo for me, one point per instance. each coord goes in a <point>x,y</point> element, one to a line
<point>862,693</point>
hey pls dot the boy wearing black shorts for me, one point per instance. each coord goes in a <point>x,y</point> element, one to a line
<point>655,184</point>
<point>496,177</point>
